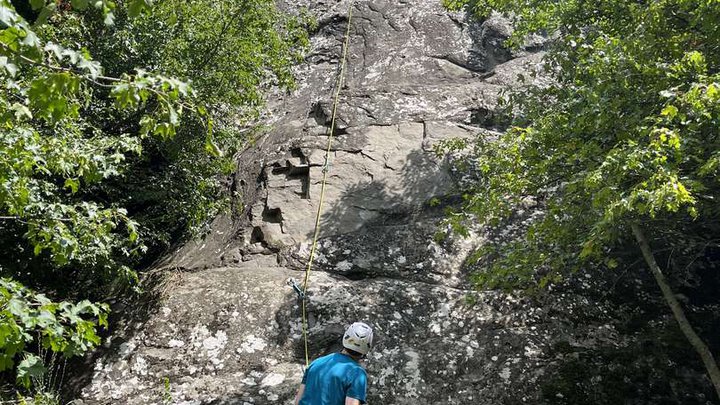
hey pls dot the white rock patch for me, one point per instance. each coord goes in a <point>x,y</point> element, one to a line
<point>176,343</point>
<point>343,266</point>
<point>252,344</point>
<point>412,367</point>
<point>214,344</point>
<point>505,374</point>
<point>140,367</point>
<point>272,380</point>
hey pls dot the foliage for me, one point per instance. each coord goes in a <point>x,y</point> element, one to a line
<point>62,327</point>
<point>627,132</point>
<point>230,51</point>
<point>44,398</point>
<point>167,392</point>
<point>49,149</point>
<point>115,117</point>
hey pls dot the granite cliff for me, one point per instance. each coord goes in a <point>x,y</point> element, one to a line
<point>226,328</point>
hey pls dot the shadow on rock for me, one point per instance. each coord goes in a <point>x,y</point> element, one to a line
<point>385,223</point>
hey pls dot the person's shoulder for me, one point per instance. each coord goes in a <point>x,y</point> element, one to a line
<point>358,376</point>
<point>326,358</point>
<point>358,369</point>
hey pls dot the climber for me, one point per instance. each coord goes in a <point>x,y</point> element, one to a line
<point>338,378</point>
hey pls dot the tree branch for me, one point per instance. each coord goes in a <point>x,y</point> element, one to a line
<point>697,343</point>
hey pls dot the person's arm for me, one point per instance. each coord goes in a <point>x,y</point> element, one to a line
<point>300,394</point>
<point>356,394</point>
<point>351,401</point>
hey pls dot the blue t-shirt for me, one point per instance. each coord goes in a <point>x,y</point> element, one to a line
<point>331,378</point>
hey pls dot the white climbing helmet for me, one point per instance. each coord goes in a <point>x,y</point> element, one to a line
<point>358,338</point>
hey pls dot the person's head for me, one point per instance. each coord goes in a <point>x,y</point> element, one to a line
<point>357,340</point>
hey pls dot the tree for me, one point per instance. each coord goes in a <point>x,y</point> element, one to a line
<point>231,52</point>
<point>114,116</point>
<point>47,152</point>
<point>623,142</point>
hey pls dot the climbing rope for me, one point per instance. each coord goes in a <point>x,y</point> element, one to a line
<point>326,169</point>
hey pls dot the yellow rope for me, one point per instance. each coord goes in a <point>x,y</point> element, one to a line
<point>326,169</point>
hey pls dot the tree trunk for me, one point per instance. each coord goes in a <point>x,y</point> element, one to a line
<point>687,329</point>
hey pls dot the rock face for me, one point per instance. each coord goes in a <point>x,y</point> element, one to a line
<point>233,335</point>
<point>228,329</point>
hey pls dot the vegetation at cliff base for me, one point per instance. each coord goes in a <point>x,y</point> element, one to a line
<point>620,148</point>
<point>119,119</point>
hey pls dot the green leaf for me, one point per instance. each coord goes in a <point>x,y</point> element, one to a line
<point>8,16</point>
<point>713,92</point>
<point>6,361</point>
<point>17,307</point>
<point>31,367</point>
<point>72,184</point>
<point>669,111</point>
<point>10,68</point>
<point>696,58</point>
<point>21,111</point>
<point>43,17</point>
<point>37,4</point>
<point>79,4</point>
<point>94,69</point>
<point>31,39</point>
<point>109,19</point>
<point>52,97</point>
<point>138,6</point>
